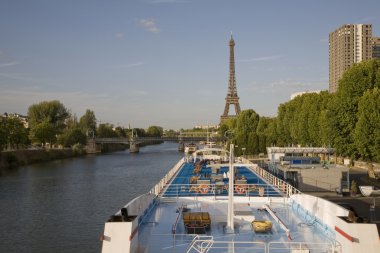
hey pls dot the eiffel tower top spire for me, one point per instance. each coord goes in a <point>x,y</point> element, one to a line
<point>232,82</point>
<point>232,97</point>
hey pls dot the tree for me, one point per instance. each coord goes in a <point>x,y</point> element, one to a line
<point>53,112</point>
<point>12,133</point>
<point>73,136</point>
<point>44,132</point>
<point>282,128</point>
<point>246,137</point>
<point>49,116</point>
<point>367,129</point>
<point>260,131</point>
<point>344,105</point>
<point>271,133</point>
<point>105,131</point>
<point>170,133</point>
<point>155,131</point>
<point>88,122</point>
<point>3,133</point>
<point>227,127</point>
<point>121,132</point>
<point>139,131</point>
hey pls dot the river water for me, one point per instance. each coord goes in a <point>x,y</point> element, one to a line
<point>61,206</point>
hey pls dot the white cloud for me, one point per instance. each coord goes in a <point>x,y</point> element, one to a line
<point>119,35</point>
<point>25,77</point>
<point>263,58</point>
<point>19,99</point>
<point>127,66</point>
<point>8,64</point>
<point>288,86</point>
<point>149,25</point>
<point>169,1</point>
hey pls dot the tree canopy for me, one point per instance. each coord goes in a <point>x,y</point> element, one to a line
<point>47,120</point>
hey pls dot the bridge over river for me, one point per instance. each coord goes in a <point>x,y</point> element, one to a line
<point>134,141</point>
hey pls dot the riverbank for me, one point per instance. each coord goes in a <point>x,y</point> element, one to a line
<point>16,158</point>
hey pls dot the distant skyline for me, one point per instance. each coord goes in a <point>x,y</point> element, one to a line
<point>166,62</point>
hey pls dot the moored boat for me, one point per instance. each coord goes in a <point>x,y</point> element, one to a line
<point>190,148</point>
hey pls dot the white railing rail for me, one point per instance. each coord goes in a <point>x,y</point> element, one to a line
<point>203,244</point>
<point>238,246</point>
<point>163,182</point>
<point>283,247</point>
<point>240,190</point>
<point>272,179</point>
<point>280,184</point>
<point>200,244</point>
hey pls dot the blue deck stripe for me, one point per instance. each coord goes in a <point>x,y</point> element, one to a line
<point>179,184</point>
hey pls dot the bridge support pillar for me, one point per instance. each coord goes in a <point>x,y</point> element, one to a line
<point>91,146</point>
<point>134,146</point>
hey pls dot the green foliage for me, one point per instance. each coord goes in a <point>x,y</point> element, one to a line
<point>344,105</point>
<point>44,132</point>
<point>121,132</point>
<point>47,116</point>
<point>106,131</point>
<point>170,133</point>
<point>88,122</point>
<point>12,133</point>
<point>245,132</point>
<point>139,131</point>
<point>71,137</point>
<point>48,111</point>
<point>347,120</point>
<point>3,134</point>
<point>155,131</point>
<point>78,149</point>
<point>367,130</point>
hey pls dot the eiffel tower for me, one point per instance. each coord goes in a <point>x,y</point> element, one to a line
<point>232,97</point>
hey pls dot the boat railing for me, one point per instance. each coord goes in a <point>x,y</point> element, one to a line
<point>220,189</point>
<point>274,247</point>
<point>282,185</point>
<point>169,176</point>
<point>193,243</point>
<point>202,244</point>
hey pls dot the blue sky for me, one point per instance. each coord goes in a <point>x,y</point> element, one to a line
<point>165,62</point>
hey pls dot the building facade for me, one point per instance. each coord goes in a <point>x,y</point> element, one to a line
<point>349,44</point>
<point>376,47</point>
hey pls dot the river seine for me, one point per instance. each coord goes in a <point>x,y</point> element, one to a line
<point>61,206</point>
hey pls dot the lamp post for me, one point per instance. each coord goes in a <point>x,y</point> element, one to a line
<point>243,149</point>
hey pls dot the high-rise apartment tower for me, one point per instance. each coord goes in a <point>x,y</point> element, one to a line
<point>376,47</point>
<point>349,44</point>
